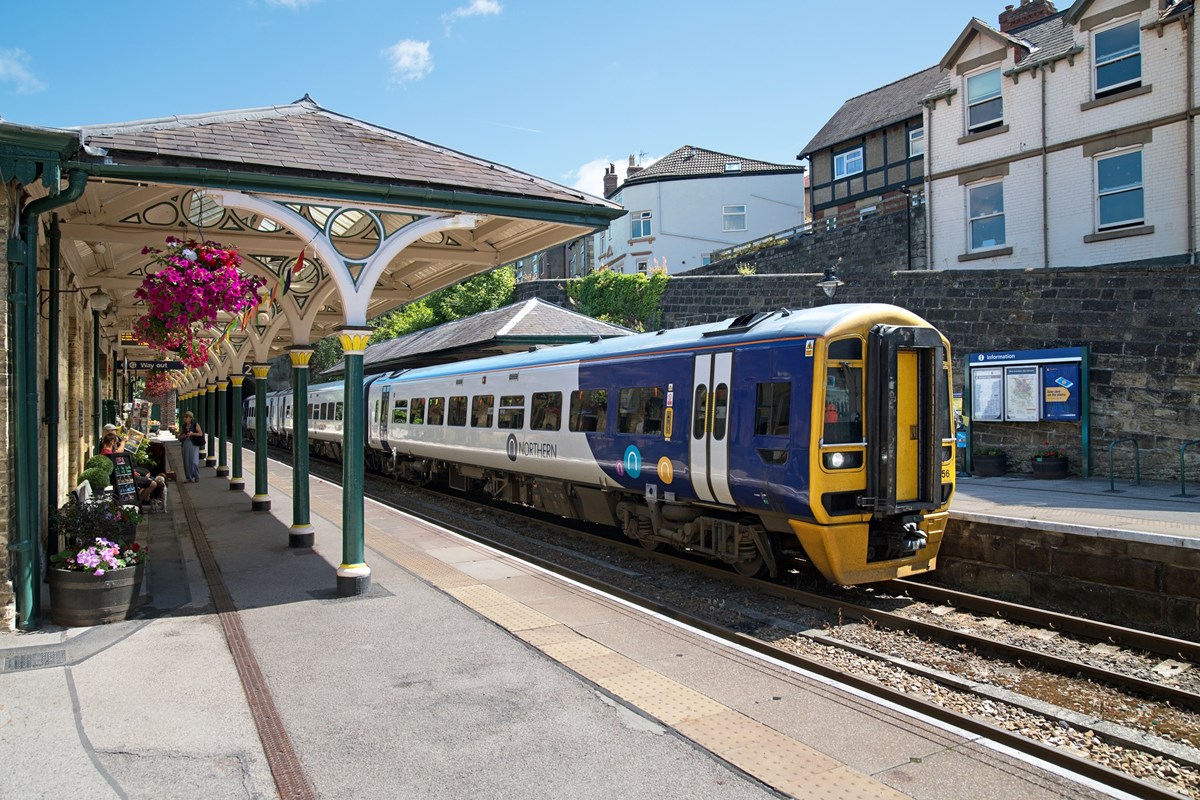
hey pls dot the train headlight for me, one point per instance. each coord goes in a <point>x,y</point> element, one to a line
<point>846,460</point>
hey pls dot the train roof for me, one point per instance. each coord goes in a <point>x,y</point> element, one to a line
<point>785,323</point>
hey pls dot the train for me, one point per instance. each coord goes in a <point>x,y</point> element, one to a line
<point>826,430</point>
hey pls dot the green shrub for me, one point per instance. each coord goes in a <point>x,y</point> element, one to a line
<point>630,300</point>
<point>96,476</point>
<point>100,462</point>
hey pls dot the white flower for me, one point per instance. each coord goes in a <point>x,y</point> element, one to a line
<point>189,254</point>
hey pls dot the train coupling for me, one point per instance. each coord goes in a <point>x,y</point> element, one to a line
<point>901,539</point>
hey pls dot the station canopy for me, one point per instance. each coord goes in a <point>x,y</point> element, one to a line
<point>382,218</point>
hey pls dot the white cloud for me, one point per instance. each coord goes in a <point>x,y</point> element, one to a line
<point>14,69</point>
<point>589,176</point>
<point>409,60</point>
<point>476,8</point>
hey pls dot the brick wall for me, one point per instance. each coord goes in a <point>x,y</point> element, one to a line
<point>7,607</point>
<point>1139,321</point>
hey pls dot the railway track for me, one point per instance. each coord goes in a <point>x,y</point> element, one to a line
<point>776,634</point>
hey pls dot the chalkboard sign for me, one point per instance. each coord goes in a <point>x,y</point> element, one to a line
<point>122,478</point>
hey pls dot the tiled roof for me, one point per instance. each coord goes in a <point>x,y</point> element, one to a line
<point>303,138</point>
<point>519,324</point>
<point>876,109</point>
<point>696,162</point>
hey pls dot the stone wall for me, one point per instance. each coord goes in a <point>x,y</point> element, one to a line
<point>1141,323</point>
<point>1115,580</point>
<point>7,609</point>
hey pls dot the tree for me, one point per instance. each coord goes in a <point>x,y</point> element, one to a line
<point>484,292</point>
<point>634,301</point>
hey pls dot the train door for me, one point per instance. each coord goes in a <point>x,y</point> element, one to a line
<point>708,448</point>
<point>909,419</point>
<point>385,416</point>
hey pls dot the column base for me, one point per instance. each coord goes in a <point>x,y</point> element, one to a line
<point>353,580</point>
<point>222,472</point>
<point>260,502</point>
<point>210,462</point>
<point>236,484</point>
<point>301,536</point>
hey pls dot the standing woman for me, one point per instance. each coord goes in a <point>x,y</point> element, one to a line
<point>191,436</point>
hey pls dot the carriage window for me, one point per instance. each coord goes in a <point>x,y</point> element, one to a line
<point>481,410</point>
<point>327,411</point>
<point>720,410</point>
<point>843,404</point>
<point>846,350</point>
<point>546,413</point>
<point>338,410</point>
<point>512,411</point>
<point>640,410</point>
<point>773,408</point>
<point>589,410</point>
<point>375,411</point>
<point>399,412</point>
<point>417,415</point>
<point>457,411</point>
<point>310,411</point>
<point>437,411</point>
<point>699,411</point>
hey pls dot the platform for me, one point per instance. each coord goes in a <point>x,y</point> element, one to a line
<point>462,673</point>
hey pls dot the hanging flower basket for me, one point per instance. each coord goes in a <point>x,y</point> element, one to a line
<point>195,282</point>
<point>158,384</point>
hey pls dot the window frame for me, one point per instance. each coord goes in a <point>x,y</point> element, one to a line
<point>916,135</point>
<point>481,402</point>
<point>727,215</point>
<point>971,220</point>
<point>1097,193</point>
<point>1099,91</point>
<point>969,105</point>
<point>841,161</point>
<point>582,400</point>
<point>641,224</point>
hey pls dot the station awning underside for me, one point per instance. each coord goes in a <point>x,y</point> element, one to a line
<point>381,217</point>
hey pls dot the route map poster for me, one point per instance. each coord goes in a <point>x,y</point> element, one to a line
<point>986,399</point>
<point>1021,389</point>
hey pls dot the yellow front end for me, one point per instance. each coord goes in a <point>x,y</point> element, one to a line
<point>839,552</point>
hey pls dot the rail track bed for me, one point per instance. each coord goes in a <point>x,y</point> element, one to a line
<point>1084,695</point>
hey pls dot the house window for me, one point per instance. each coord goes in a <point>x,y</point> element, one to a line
<point>643,267</point>
<point>916,142</point>
<point>1118,56</point>
<point>985,204</point>
<point>985,106</point>
<point>734,218</point>
<point>640,224</point>
<point>1119,194</point>
<point>848,163</point>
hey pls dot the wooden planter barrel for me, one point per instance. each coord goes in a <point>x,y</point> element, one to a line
<point>1049,468</point>
<point>989,466</point>
<point>81,598</point>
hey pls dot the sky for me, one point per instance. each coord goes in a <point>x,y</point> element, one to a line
<point>556,88</point>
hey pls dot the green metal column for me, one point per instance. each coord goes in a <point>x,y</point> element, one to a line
<point>222,428</point>
<point>302,533</point>
<point>236,482</point>
<point>261,500</point>
<point>210,423</point>
<point>353,576</point>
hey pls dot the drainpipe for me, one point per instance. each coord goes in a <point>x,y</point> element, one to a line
<point>53,402</point>
<point>929,264</point>
<point>24,544</point>
<point>1045,180</point>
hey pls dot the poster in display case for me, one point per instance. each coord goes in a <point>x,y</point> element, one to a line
<point>987,401</point>
<point>1021,389</point>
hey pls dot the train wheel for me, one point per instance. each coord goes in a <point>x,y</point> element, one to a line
<point>754,568</point>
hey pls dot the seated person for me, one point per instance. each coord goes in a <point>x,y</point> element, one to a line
<point>148,486</point>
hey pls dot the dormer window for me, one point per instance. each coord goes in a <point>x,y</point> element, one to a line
<point>1117,53</point>
<point>985,106</point>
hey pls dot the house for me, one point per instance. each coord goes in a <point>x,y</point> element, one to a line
<point>872,150</point>
<point>694,201</point>
<point>1065,138</point>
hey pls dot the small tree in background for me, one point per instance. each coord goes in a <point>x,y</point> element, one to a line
<point>634,301</point>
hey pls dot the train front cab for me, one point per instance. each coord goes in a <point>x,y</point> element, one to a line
<point>882,468</point>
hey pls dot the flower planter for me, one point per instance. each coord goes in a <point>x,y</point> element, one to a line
<point>1049,468</point>
<point>989,466</point>
<point>82,598</point>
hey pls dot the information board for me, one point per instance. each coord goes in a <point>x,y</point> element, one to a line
<point>1061,392</point>
<point>1021,388</point>
<point>987,400</point>
<point>122,478</point>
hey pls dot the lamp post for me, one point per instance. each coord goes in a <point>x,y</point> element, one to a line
<point>830,282</point>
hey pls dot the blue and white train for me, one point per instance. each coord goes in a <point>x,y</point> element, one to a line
<point>826,429</point>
